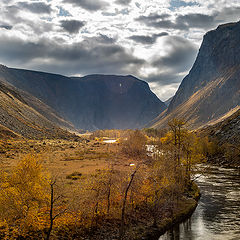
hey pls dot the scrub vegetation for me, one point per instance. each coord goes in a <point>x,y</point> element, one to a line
<point>89,189</point>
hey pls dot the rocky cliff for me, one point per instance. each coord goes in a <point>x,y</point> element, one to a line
<point>212,87</point>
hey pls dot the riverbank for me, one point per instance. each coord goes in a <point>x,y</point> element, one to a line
<point>185,209</point>
<point>217,215</point>
<point>144,228</point>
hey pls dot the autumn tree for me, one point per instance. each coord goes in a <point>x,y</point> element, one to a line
<point>124,202</point>
<point>193,153</point>
<point>176,136</point>
<point>56,204</point>
<point>184,148</point>
<point>22,195</point>
<point>135,145</point>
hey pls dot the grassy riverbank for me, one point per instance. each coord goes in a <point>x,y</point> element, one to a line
<point>184,210</point>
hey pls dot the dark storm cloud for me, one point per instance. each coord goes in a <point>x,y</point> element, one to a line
<point>196,20</point>
<point>160,21</point>
<point>78,58</point>
<point>90,5</point>
<point>72,26</point>
<point>182,22</point>
<point>147,39</point>
<point>35,7</point>
<point>6,1</point>
<point>153,17</point>
<point>10,13</point>
<point>228,14</point>
<point>123,2</point>
<point>5,26</point>
<point>20,22</point>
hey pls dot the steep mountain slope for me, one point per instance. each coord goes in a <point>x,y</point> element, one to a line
<point>6,133</point>
<point>226,131</point>
<point>24,115</point>
<point>91,102</point>
<point>212,87</point>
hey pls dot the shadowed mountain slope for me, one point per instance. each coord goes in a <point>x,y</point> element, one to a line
<point>212,87</point>
<point>91,102</point>
<point>167,102</point>
<point>24,115</point>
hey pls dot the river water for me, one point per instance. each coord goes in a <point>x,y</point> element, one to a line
<point>217,216</point>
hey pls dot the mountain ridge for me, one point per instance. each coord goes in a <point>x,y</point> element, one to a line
<point>92,102</point>
<point>212,87</point>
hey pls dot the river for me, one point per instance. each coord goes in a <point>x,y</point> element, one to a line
<point>217,216</point>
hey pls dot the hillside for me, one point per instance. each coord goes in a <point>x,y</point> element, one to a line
<point>226,131</point>
<point>91,102</point>
<point>6,133</point>
<point>25,116</point>
<point>212,87</point>
<point>225,140</point>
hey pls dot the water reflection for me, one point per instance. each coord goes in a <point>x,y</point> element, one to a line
<point>217,216</point>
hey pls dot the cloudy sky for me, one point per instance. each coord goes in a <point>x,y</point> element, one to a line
<point>155,40</point>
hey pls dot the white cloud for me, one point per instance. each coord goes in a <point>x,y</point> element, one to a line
<point>114,23</point>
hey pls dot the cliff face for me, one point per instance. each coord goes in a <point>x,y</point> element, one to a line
<point>91,102</point>
<point>212,87</point>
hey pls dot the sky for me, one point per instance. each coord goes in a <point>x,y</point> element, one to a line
<point>154,40</point>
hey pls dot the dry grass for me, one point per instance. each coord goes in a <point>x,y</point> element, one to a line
<point>63,158</point>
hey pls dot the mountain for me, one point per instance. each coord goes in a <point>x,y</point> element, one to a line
<point>212,87</point>
<point>167,102</point>
<point>90,102</point>
<point>226,131</point>
<point>6,133</point>
<point>22,115</point>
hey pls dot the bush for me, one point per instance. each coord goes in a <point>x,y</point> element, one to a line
<point>74,176</point>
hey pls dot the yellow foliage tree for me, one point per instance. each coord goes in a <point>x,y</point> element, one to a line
<point>22,195</point>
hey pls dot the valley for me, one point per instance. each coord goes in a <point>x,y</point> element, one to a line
<point>100,156</point>
<point>85,171</point>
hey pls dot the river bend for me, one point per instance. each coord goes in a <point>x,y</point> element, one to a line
<point>217,216</point>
